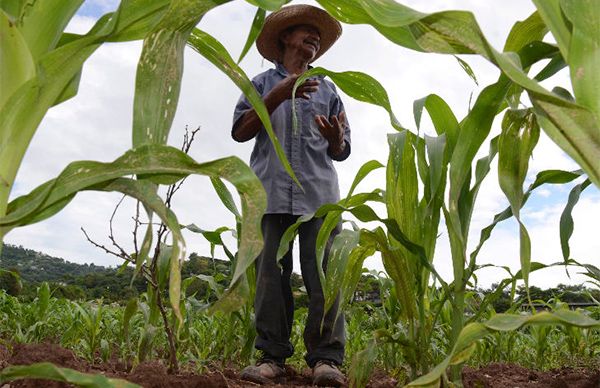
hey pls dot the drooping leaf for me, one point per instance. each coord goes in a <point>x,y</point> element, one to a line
<point>257,24</point>
<point>520,133</point>
<point>48,371</point>
<point>467,68</point>
<point>543,177</point>
<point>152,162</point>
<point>551,13</point>
<point>357,85</point>
<point>160,68</point>
<point>271,5</point>
<point>566,218</point>
<point>363,171</point>
<point>214,51</point>
<point>584,52</point>
<point>572,126</point>
<point>500,322</point>
<point>225,197</point>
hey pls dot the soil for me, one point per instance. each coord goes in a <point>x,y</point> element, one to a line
<point>154,374</point>
<point>499,375</point>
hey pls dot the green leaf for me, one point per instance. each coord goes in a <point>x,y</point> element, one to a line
<point>271,5</point>
<point>43,301</point>
<point>43,22</point>
<point>337,264</point>
<point>584,52</point>
<point>163,265</point>
<point>442,117</point>
<point>23,111</point>
<point>138,19</point>
<point>525,32</point>
<point>129,312</point>
<point>566,218</point>
<point>551,13</point>
<point>363,171</point>
<point>357,85</point>
<point>214,238</point>
<point>573,127</point>
<point>520,133</point>
<point>257,24</point>
<point>465,66</point>
<point>500,322</point>
<point>48,371</point>
<point>214,51</point>
<point>543,177</point>
<point>145,342</point>
<point>152,161</point>
<point>159,72</point>
<point>16,61</point>
<point>362,364</point>
<point>225,197</point>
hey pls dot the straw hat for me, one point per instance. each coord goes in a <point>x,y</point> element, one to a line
<point>293,15</point>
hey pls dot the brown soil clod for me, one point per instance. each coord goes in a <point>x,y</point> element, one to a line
<point>154,374</point>
<point>500,375</point>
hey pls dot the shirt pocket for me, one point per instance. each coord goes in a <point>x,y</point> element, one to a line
<point>317,108</point>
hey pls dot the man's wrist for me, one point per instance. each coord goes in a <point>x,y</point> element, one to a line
<point>336,147</point>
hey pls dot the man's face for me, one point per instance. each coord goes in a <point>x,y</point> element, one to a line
<point>303,39</point>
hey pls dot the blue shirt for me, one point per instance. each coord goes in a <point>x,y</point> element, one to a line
<point>306,150</point>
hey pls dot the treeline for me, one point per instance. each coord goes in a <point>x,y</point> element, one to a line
<point>22,270</point>
<point>89,281</point>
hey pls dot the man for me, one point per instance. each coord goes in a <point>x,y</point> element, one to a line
<point>292,38</point>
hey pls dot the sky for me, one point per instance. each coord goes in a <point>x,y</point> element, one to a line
<point>96,125</point>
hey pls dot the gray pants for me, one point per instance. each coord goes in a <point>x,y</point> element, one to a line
<point>274,303</point>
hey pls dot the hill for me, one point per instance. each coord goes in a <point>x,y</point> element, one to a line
<point>90,281</point>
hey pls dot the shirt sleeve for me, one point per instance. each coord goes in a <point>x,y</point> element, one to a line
<point>336,108</point>
<point>243,106</point>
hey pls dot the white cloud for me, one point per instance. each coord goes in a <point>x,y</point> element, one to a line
<point>96,125</point>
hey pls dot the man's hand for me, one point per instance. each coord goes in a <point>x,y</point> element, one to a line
<point>250,124</point>
<point>283,90</point>
<point>333,131</point>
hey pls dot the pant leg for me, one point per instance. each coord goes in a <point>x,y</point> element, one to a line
<point>274,302</point>
<point>328,343</point>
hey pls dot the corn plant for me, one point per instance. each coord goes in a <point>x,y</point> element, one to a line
<point>41,67</point>
<point>571,122</point>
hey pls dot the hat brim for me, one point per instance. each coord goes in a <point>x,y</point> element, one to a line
<point>294,15</point>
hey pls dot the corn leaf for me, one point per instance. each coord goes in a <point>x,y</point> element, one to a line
<point>48,371</point>
<point>16,61</point>
<point>214,51</point>
<point>566,218</point>
<point>24,109</point>
<point>520,133</point>
<point>500,322</point>
<point>225,196</point>
<point>551,13</point>
<point>159,72</point>
<point>43,22</point>
<point>543,177</point>
<point>584,52</point>
<point>151,161</point>
<point>362,173</point>
<point>257,24</point>
<point>130,309</point>
<point>570,125</point>
<point>271,5</point>
<point>357,85</point>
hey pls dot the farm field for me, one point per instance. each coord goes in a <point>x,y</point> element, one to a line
<point>164,317</point>
<point>99,338</point>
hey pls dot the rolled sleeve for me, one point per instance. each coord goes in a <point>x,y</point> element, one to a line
<point>243,106</point>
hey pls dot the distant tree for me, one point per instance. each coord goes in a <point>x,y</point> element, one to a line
<point>10,281</point>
